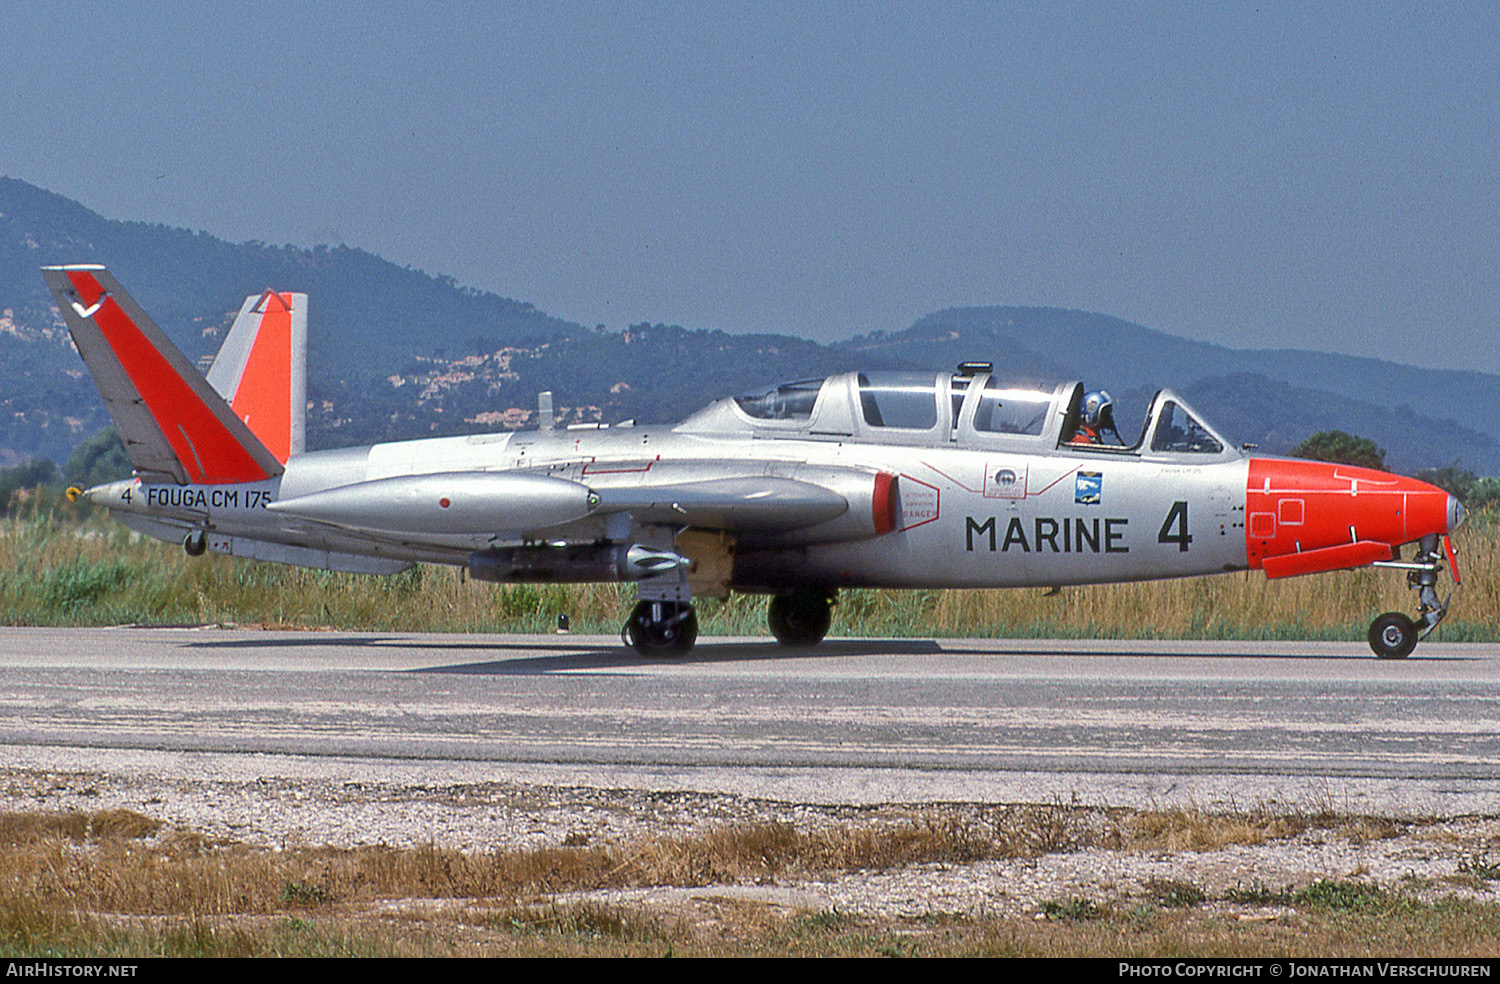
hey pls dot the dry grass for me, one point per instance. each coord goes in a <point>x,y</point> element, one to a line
<point>113,882</point>
<point>95,869</point>
<point>75,826</point>
<point>182,874</point>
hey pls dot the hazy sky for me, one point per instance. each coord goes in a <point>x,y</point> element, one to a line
<point>1257,175</point>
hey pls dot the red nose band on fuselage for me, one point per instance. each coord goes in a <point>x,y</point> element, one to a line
<point>1344,516</point>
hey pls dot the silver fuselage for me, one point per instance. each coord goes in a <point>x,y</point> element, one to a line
<point>967,509</point>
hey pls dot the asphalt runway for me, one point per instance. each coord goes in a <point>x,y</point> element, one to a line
<point>1123,723</point>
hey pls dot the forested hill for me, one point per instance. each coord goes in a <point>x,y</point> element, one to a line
<point>191,281</point>
<point>1059,343</point>
<point>395,352</point>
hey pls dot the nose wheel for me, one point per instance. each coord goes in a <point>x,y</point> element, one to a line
<point>661,628</point>
<point>1394,635</point>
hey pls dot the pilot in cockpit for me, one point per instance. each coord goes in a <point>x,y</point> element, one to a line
<point>1096,416</point>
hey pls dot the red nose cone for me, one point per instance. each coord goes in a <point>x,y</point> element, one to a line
<point>1294,507</point>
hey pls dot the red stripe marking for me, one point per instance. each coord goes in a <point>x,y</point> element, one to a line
<point>883,503</point>
<point>209,453</point>
<point>618,468</point>
<point>1452,558</point>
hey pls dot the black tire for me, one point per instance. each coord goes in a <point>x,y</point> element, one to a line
<point>673,635</point>
<point>801,618</point>
<point>1393,636</point>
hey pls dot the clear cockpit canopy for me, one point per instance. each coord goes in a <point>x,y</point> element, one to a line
<point>1177,430</point>
<point>1006,409</point>
<point>898,399</point>
<point>974,407</point>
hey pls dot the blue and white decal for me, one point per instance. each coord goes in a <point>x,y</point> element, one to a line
<point>1088,488</point>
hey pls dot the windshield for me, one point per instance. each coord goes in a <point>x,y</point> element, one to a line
<point>1177,430</point>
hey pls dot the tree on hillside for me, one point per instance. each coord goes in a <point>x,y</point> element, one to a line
<point>1473,491</point>
<point>1345,449</point>
<point>100,459</point>
<point>22,483</point>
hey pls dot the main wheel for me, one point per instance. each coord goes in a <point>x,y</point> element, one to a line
<point>669,630</point>
<point>801,618</point>
<point>1393,636</point>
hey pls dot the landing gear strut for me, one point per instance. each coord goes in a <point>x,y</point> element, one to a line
<point>1394,635</point>
<point>800,618</point>
<point>661,628</point>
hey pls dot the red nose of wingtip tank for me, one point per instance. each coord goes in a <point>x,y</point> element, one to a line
<point>1308,516</point>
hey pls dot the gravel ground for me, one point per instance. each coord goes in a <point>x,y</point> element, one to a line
<point>277,811</point>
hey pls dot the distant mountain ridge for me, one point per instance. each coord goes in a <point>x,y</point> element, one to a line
<point>395,352</point>
<point>367,305</point>
<point>1082,345</point>
<point>1411,412</point>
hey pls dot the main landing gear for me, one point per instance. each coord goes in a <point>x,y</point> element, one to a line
<point>800,618</point>
<point>661,628</point>
<point>1394,635</point>
<point>669,628</point>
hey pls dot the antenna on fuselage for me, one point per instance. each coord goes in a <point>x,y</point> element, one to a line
<point>544,410</point>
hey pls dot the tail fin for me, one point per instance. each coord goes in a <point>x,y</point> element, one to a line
<point>175,427</point>
<point>261,370</point>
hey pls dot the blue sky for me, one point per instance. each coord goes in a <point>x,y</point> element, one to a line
<point>1301,175</point>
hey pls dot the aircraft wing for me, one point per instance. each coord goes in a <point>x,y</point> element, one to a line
<point>520,505</point>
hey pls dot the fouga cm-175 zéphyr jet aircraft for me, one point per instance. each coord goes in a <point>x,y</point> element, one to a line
<point>886,480</point>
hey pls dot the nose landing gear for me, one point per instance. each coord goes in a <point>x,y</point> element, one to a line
<point>1394,635</point>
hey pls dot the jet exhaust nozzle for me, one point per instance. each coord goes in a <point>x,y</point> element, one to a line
<point>573,564</point>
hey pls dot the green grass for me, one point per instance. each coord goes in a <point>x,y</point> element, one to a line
<point>55,570</point>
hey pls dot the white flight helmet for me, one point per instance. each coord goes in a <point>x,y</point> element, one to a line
<point>1098,409</point>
